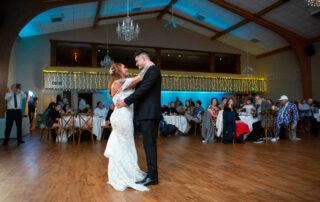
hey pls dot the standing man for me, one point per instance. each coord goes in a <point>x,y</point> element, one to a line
<point>284,118</point>
<point>147,111</point>
<point>14,113</point>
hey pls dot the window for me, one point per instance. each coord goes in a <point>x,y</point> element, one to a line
<point>185,60</point>
<point>123,54</point>
<point>226,63</point>
<point>91,55</point>
<point>73,54</point>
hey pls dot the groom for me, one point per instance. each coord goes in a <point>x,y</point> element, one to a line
<point>147,111</point>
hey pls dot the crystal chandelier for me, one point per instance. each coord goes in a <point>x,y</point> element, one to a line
<point>127,31</point>
<point>107,61</point>
<point>315,3</point>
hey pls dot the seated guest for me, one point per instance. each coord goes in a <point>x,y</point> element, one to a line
<point>100,110</point>
<point>257,132</point>
<point>180,109</point>
<point>229,122</point>
<point>277,106</point>
<point>249,107</point>
<point>177,103</point>
<point>284,116</point>
<point>223,103</point>
<point>314,109</point>
<point>165,109</point>
<point>304,108</point>
<point>59,100</point>
<point>82,105</point>
<point>67,109</point>
<point>188,113</point>
<point>191,103</point>
<point>53,118</point>
<point>214,109</point>
<point>111,108</point>
<point>172,109</point>
<point>273,107</point>
<point>50,106</point>
<point>208,130</point>
<point>197,112</point>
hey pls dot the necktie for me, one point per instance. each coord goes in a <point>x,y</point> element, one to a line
<point>15,101</point>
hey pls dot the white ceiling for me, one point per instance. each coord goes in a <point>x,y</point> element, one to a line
<point>293,15</point>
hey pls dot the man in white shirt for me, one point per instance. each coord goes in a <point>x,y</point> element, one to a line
<point>82,105</point>
<point>14,113</point>
<point>100,111</point>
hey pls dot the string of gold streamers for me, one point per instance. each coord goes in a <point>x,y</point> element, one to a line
<point>99,80</point>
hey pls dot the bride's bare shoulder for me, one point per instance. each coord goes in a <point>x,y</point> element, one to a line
<point>116,85</point>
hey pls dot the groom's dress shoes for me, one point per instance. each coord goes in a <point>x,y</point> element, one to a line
<point>148,181</point>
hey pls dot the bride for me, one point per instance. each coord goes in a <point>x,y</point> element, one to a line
<point>123,169</point>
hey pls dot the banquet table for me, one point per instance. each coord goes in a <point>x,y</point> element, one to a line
<point>248,119</point>
<point>25,128</point>
<point>179,121</point>
<point>97,122</point>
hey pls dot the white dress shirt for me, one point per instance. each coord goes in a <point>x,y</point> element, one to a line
<point>248,108</point>
<point>100,112</point>
<point>283,109</point>
<point>9,97</point>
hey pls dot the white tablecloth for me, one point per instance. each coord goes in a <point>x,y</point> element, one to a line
<point>25,127</point>
<point>179,121</point>
<point>97,122</point>
<point>248,120</point>
<point>317,116</point>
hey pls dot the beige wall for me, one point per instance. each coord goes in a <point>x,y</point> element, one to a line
<point>283,75</point>
<point>315,63</point>
<point>14,63</point>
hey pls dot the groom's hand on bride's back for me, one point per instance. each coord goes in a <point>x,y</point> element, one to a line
<point>120,104</point>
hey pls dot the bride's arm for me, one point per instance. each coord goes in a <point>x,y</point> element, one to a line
<point>134,81</point>
<point>137,79</point>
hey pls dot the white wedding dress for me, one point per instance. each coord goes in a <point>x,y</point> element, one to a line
<point>123,169</point>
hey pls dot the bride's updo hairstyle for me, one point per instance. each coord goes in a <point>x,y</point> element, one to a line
<point>115,74</point>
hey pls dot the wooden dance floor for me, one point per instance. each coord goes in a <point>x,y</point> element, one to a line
<point>188,171</point>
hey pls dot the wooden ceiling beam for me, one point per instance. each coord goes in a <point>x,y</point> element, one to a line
<point>166,9</point>
<point>132,14</point>
<point>273,52</point>
<point>195,23</point>
<point>263,22</point>
<point>245,21</point>
<point>96,17</point>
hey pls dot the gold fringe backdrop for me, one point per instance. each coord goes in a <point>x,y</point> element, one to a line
<point>66,80</point>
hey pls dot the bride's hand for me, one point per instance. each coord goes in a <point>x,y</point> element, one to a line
<point>120,104</point>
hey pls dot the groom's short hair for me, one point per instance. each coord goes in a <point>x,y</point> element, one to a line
<point>142,52</point>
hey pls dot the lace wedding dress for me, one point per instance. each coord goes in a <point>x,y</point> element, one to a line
<point>123,169</point>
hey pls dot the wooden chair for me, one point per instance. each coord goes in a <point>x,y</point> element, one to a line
<point>85,124</point>
<point>67,123</point>
<point>46,132</point>
<point>196,125</point>
<point>103,128</point>
<point>270,122</point>
<point>304,121</point>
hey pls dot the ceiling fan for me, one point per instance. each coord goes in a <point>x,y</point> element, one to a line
<point>173,21</point>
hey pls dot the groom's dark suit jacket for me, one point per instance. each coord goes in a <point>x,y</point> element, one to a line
<point>147,96</point>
